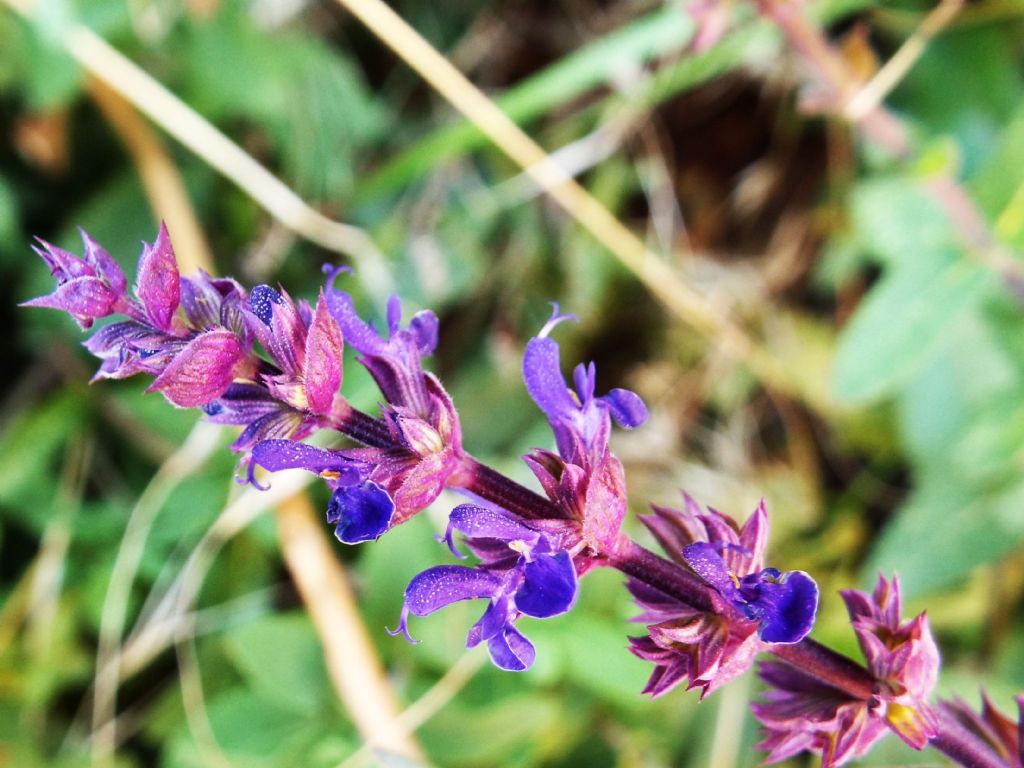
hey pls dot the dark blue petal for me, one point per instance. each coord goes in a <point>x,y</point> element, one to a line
<point>261,299</point>
<point>443,585</point>
<point>627,408</point>
<point>363,512</point>
<point>494,620</point>
<point>786,607</point>
<point>275,455</point>
<point>549,586</point>
<point>511,651</point>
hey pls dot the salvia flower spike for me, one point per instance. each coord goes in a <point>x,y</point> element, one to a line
<point>272,366</point>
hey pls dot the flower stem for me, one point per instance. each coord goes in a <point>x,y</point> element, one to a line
<point>362,427</point>
<point>664,575</point>
<point>491,485</point>
<point>838,671</point>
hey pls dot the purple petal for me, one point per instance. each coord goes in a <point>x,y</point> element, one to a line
<point>626,407</point>
<point>394,314</point>
<point>511,651</point>
<point>84,298</point>
<point>480,522</point>
<point>322,367</point>
<point>278,424</point>
<point>786,607</point>
<point>241,404</point>
<point>544,381</point>
<point>103,263</point>
<point>63,265</point>
<point>549,586</point>
<point>604,504</point>
<point>424,483</point>
<point>110,340</point>
<point>356,332</point>
<point>443,585</point>
<point>280,328</point>
<point>754,536</point>
<point>233,314</point>
<point>707,563</point>
<point>158,284</point>
<point>423,327</point>
<point>202,371</point>
<point>363,512</point>
<point>275,455</point>
<point>201,301</point>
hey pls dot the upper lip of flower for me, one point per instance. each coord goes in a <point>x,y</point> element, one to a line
<point>580,421</point>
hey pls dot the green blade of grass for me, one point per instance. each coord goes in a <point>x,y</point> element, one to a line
<point>657,34</point>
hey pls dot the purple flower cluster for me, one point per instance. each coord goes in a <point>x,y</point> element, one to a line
<point>272,366</point>
<point>802,713</point>
<point>750,606</point>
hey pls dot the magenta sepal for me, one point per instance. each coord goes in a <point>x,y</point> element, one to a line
<point>202,371</point>
<point>158,283</point>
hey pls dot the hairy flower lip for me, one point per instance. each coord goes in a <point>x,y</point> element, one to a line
<point>522,572</point>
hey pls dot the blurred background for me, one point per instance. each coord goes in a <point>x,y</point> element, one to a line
<point>863,371</point>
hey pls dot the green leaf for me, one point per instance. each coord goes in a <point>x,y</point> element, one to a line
<point>948,394</point>
<point>895,220</point>
<point>514,730</point>
<point>945,530</point>
<point>1000,194</point>
<point>311,100</point>
<point>251,729</point>
<point>29,448</point>
<point>902,321</point>
<point>49,77</point>
<point>280,656</point>
<point>967,83</point>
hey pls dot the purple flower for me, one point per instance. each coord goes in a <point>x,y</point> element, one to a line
<point>580,421</point>
<point>800,712</point>
<point>397,480</point>
<point>195,354</point>
<point>88,288</point>
<point>584,480</point>
<point>360,509</point>
<point>394,362</point>
<point>523,571</point>
<point>783,604</point>
<point>753,606</point>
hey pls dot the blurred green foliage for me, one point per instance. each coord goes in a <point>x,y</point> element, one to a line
<point>856,269</point>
